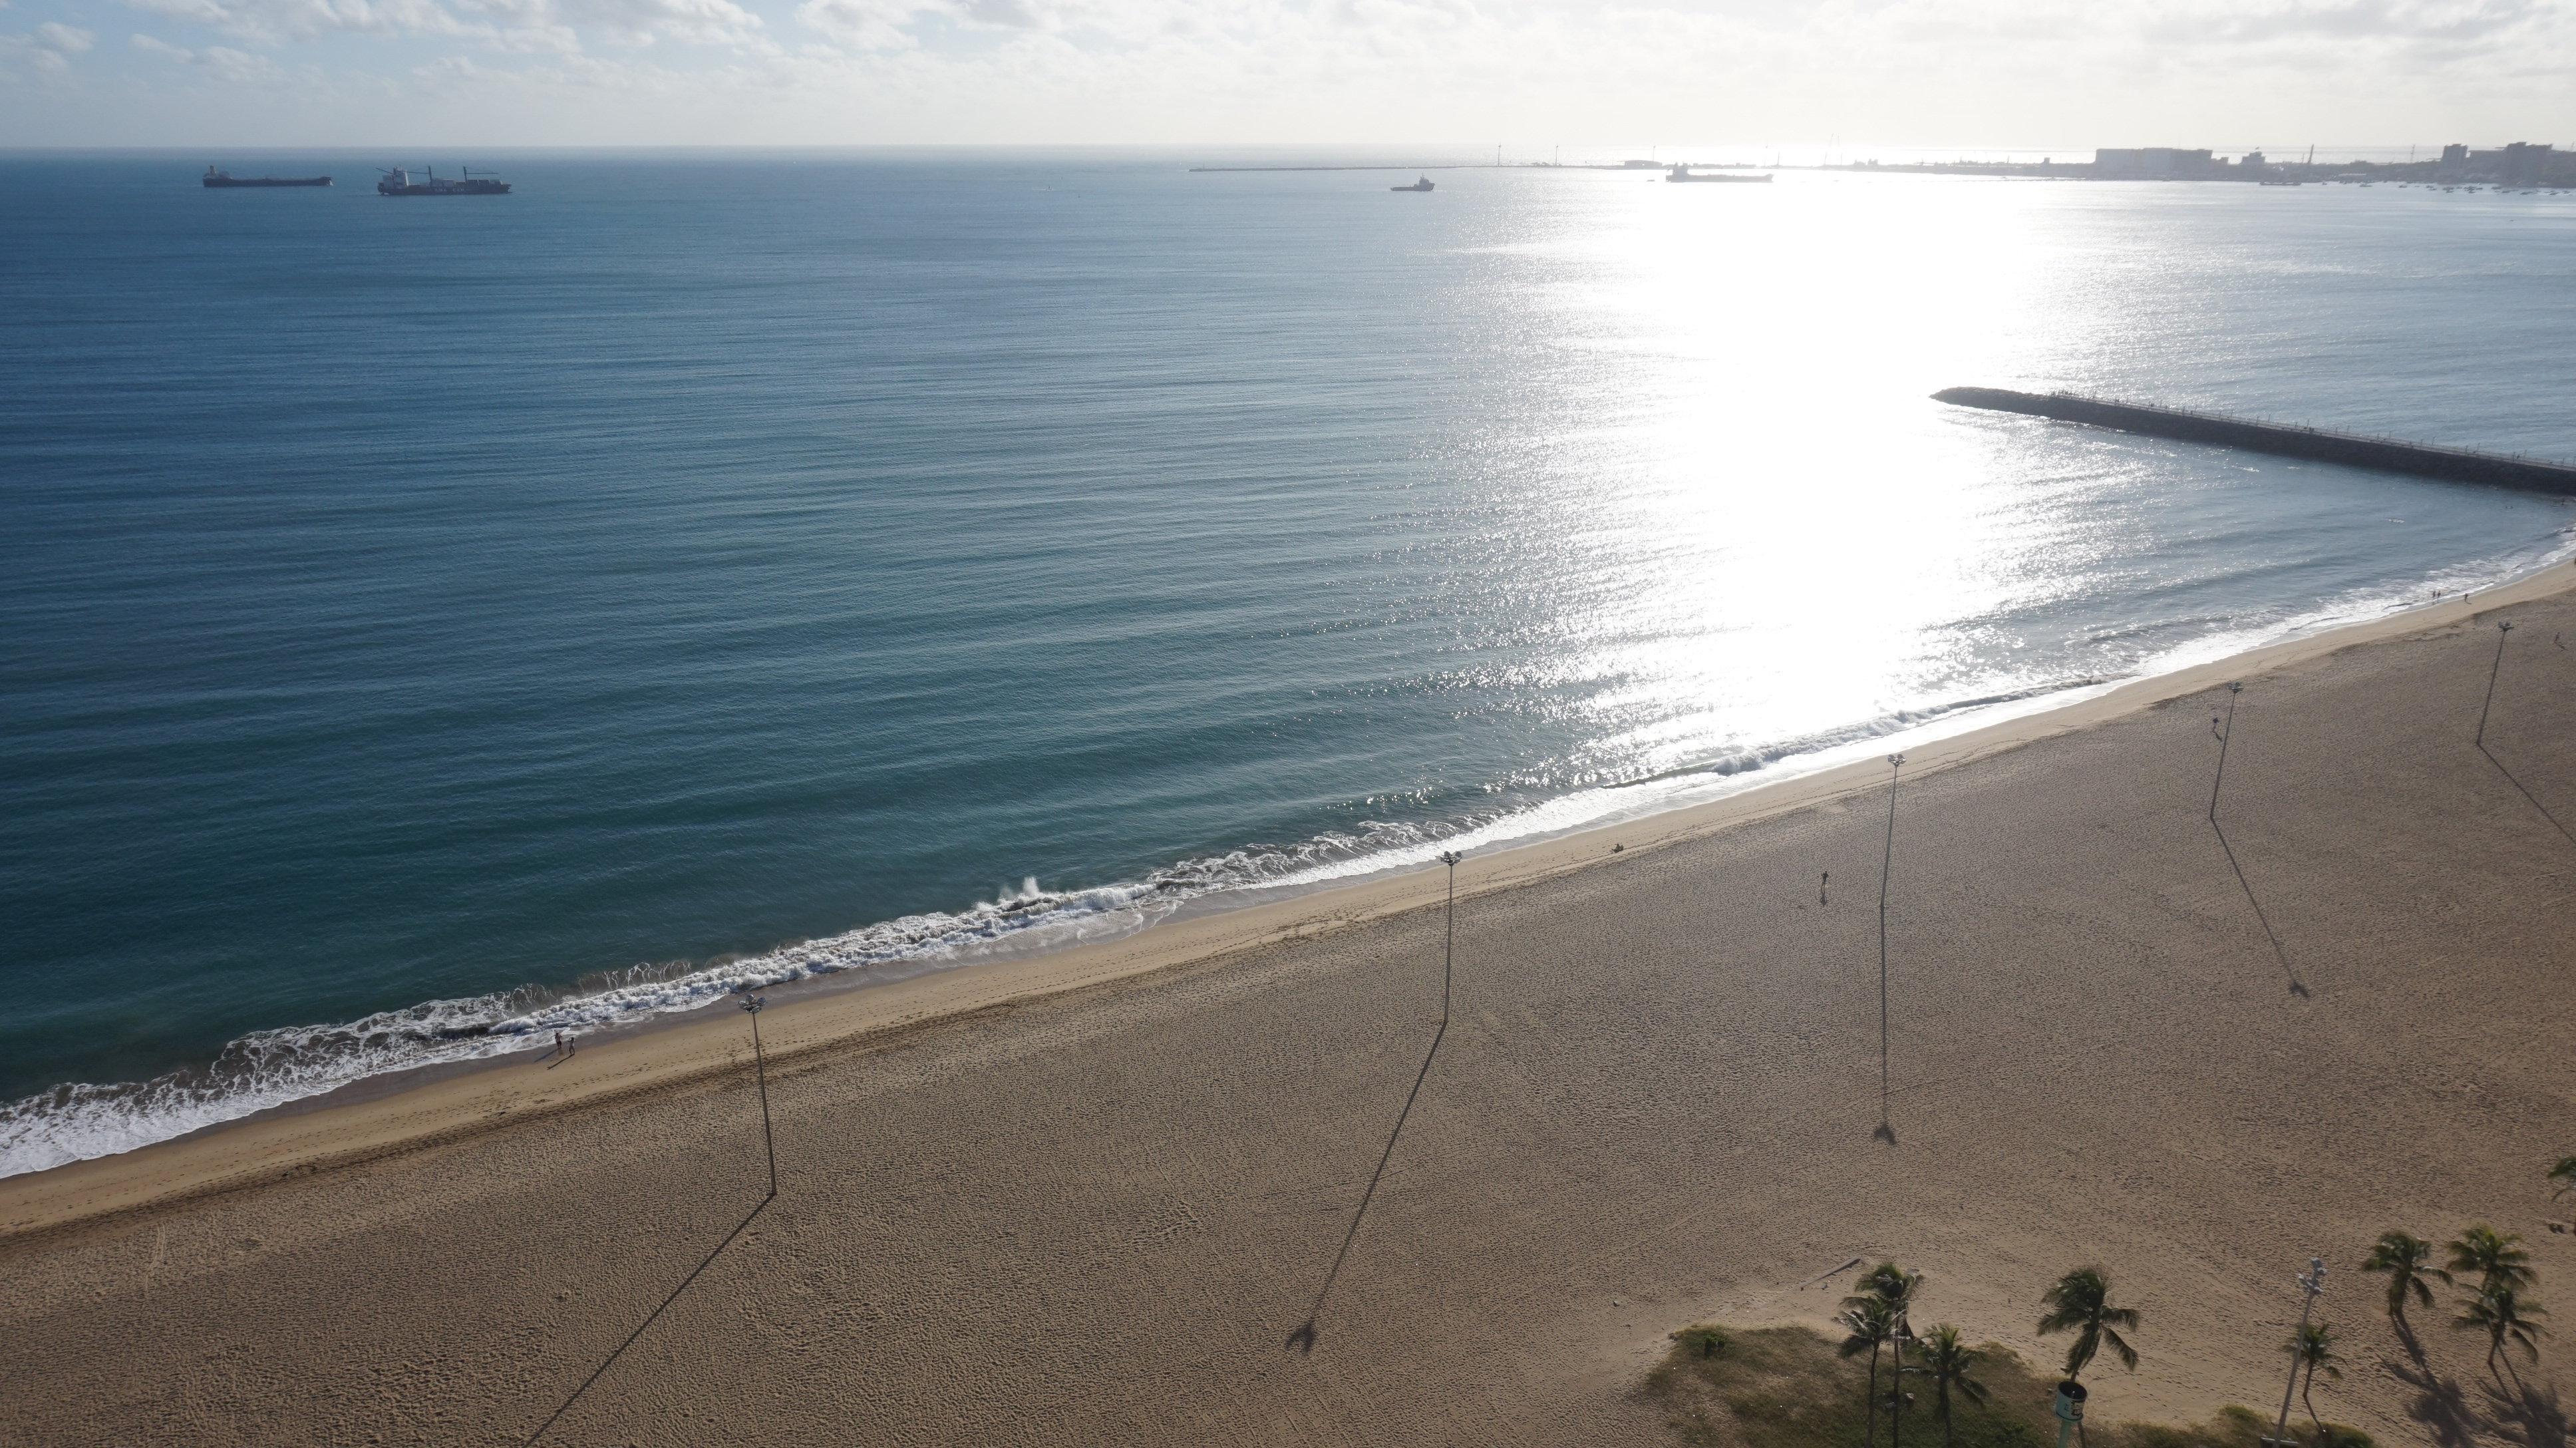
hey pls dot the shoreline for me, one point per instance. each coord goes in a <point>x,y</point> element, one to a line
<point>405,1111</point>
<point>1303,1192</point>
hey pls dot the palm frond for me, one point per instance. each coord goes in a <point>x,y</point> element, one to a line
<point>2564,1173</point>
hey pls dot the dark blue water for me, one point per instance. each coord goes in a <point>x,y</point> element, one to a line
<point>432,616</point>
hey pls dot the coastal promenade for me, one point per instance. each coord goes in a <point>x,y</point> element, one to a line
<point>1102,1214</point>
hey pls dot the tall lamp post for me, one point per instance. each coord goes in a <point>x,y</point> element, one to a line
<point>751,1004</point>
<point>1449,948</point>
<point>2215,780</point>
<point>1887,862</point>
<point>2504,630</point>
<point>2314,1280</point>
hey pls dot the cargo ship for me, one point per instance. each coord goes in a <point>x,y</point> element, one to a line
<point>1422,185</point>
<point>1684,173</point>
<point>399,182</point>
<point>220,179</point>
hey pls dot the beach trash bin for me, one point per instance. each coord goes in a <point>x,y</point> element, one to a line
<point>2070,1409</point>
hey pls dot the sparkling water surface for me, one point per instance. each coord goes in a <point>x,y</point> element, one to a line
<point>430,621</point>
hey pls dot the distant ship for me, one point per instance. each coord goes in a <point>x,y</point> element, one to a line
<point>1684,173</point>
<point>219,179</point>
<point>398,182</point>
<point>1422,185</point>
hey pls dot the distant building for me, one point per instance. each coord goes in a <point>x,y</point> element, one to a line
<point>2156,163</point>
<point>2520,163</point>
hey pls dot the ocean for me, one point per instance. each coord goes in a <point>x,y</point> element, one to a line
<point>433,621</point>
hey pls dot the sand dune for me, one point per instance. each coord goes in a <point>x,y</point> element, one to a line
<point>1104,1213</point>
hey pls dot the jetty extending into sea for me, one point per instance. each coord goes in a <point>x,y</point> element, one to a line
<point>2459,465</point>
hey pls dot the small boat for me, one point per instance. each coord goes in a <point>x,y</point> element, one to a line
<point>1424,184</point>
<point>1684,173</point>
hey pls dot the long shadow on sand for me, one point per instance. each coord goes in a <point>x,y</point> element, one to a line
<point>2438,1402</point>
<point>2554,821</point>
<point>2527,1413</point>
<point>2495,671</point>
<point>2505,1406</point>
<point>2227,736</point>
<point>602,1370</point>
<point>1303,1339</point>
<point>761,1066</point>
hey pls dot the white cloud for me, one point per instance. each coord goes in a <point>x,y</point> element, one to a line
<point>640,22</point>
<point>271,22</point>
<point>2047,73</point>
<point>866,24</point>
<point>237,67</point>
<point>49,47</point>
<point>504,24</point>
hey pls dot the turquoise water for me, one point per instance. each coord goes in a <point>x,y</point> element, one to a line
<point>429,622</point>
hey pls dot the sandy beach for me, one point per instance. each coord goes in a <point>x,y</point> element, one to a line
<point>1102,1195</point>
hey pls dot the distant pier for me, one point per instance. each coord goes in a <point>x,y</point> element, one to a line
<point>2458,465</point>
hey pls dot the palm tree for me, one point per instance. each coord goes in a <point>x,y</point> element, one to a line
<point>2497,1258</point>
<point>2565,1175</point>
<point>1947,1361</point>
<point>2407,1259</point>
<point>1869,1323</point>
<point>2080,1302</point>
<point>2504,1317</point>
<point>2311,1348</point>
<point>1896,1287</point>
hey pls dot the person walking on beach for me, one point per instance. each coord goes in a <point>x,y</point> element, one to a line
<point>563,1043</point>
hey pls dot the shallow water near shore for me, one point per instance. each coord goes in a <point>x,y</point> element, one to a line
<point>433,622</point>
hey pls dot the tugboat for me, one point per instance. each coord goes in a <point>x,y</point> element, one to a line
<point>1424,184</point>
<point>398,182</point>
<point>218,180</point>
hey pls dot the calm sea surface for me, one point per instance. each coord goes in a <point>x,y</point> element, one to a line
<point>432,621</point>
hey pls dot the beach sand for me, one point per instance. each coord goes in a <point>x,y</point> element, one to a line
<point>1095,1196</point>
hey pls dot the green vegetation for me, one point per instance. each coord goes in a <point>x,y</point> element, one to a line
<point>2504,1317</point>
<point>1867,1324</point>
<point>2496,1257</point>
<point>1948,1361</point>
<point>2080,1303</point>
<point>2312,1350</point>
<point>1700,1342</point>
<point>2408,1261</point>
<point>1874,1318</point>
<point>2564,1173</point>
<point>1789,1387</point>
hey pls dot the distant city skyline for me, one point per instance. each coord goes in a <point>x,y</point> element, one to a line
<point>1971,75</point>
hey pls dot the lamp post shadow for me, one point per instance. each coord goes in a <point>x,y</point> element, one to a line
<point>760,1066</point>
<point>2226,732</point>
<point>2504,631</point>
<point>1302,1341</point>
<point>1886,1132</point>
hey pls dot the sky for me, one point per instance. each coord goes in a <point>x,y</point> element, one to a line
<point>1861,77</point>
